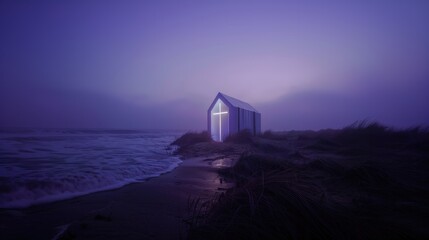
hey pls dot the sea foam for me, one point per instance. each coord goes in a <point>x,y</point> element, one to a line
<point>44,166</point>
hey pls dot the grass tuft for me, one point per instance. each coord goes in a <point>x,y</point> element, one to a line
<point>241,137</point>
<point>191,138</point>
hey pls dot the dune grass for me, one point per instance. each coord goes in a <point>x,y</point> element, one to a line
<point>191,138</point>
<point>365,181</point>
<point>244,136</point>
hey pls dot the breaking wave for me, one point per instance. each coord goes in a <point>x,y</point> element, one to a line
<point>45,166</point>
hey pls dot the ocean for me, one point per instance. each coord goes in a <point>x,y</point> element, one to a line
<point>39,166</point>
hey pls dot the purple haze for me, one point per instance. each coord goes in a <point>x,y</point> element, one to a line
<point>159,64</point>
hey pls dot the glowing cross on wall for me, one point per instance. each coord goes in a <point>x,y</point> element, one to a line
<point>220,119</point>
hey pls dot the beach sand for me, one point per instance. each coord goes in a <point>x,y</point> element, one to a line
<point>154,209</point>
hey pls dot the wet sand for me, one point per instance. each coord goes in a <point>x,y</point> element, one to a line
<point>154,209</point>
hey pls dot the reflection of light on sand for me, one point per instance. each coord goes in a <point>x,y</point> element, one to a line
<point>222,162</point>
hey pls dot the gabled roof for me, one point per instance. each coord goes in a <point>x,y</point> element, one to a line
<point>237,103</point>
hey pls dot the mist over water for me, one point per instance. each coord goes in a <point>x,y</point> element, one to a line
<point>38,166</point>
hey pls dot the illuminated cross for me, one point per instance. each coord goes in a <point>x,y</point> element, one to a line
<point>220,120</point>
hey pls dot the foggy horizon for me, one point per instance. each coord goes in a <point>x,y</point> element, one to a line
<point>159,65</point>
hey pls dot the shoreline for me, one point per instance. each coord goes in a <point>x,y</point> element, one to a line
<point>64,197</point>
<point>133,211</point>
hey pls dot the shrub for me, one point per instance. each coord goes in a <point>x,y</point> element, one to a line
<point>191,138</point>
<point>244,136</point>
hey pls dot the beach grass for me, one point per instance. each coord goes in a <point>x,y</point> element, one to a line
<point>366,181</point>
<point>191,138</point>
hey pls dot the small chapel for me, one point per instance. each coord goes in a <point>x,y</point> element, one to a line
<point>227,115</point>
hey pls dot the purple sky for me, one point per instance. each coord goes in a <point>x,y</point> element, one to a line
<point>159,64</point>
